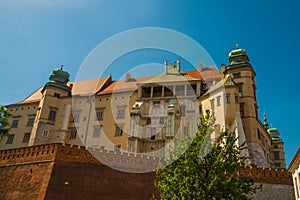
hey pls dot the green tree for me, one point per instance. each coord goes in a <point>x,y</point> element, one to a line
<point>4,122</point>
<point>201,169</point>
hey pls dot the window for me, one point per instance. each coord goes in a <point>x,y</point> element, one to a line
<point>15,122</point>
<point>121,113</point>
<point>117,148</point>
<point>52,115</point>
<point>146,91</point>
<point>97,131</point>
<point>99,114</point>
<point>179,90</point>
<point>76,116</point>
<point>102,147</point>
<point>45,133</point>
<point>236,99</point>
<point>157,91</point>
<point>240,88</point>
<point>153,133</point>
<point>30,120</point>
<point>228,99</point>
<point>191,89</point>
<point>212,103</point>
<point>148,121</point>
<point>56,95</point>
<point>237,75</point>
<point>219,101</point>
<point>119,131</point>
<point>242,109</point>
<point>182,110</point>
<point>73,134</point>
<point>156,104</point>
<point>26,137</point>
<point>185,130</point>
<point>276,155</point>
<point>168,91</point>
<point>258,134</point>
<point>275,146</point>
<point>161,120</point>
<point>152,137</point>
<point>10,139</point>
<point>277,165</point>
<point>200,110</point>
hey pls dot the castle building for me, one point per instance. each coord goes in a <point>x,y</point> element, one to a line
<point>294,168</point>
<point>146,114</point>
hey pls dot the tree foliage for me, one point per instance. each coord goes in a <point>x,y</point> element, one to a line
<point>201,169</point>
<point>4,121</point>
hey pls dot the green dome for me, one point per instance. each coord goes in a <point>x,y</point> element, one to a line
<point>273,130</point>
<point>274,133</point>
<point>238,56</point>
<point>59,78</point>
<point>237,52</point>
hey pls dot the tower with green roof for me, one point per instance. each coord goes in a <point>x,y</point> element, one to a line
<point>54,110</point>
<point>59,79</point>
<point>277,152</point>
<point>258,140</point>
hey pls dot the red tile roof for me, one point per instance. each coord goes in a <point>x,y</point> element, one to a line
<point>123,86</point>
<point>207,73</point>
<point>34,97</point>
<point>98,86</point>
<point>194,73</point>
<point>87,87</point>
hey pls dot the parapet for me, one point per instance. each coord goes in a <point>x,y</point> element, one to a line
<point>268,175</point>
<point>73,153</point>
<point>118,160</point>
<point>25,155</point>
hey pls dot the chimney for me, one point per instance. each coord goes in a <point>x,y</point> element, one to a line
<point>178,65</point>
<point>201,66</point>
<point>71,88</point>
<point>223,68</point>
<point>128,77</point>
<point>166,67</point>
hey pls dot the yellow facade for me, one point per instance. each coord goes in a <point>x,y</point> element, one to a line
<point>144,114</point>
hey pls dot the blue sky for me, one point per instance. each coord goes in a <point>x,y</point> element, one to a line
<point>37,36</point>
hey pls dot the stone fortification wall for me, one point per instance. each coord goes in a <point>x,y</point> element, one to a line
<point>57,171</point>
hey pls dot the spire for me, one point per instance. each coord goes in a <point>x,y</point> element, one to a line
<point>266,124</point>
<point>237,46</point>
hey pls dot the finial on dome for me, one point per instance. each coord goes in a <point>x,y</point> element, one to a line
<point>238,56</point>
<point>266,124</point>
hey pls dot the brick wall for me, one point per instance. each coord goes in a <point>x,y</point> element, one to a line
<point>28,181</point>
<point>70,180</point>
<point>57,171</point>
